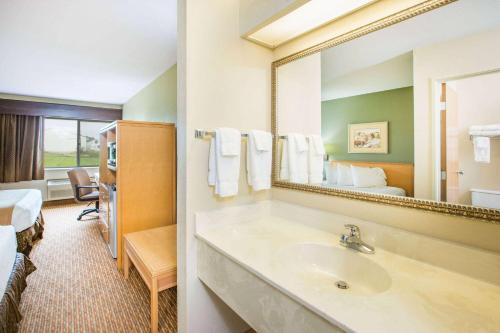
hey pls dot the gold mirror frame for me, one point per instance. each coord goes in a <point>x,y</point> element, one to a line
<point>480,214</point>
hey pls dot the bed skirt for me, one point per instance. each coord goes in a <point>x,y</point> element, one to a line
<point>27,237</point>
<point>10,316</point>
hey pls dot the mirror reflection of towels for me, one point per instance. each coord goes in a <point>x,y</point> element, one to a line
<point>481,149</point>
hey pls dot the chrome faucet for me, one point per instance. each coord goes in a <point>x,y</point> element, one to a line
<point>353,240</point>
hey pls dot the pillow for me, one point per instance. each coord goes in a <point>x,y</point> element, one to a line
<point>331,173</point>
<point>368,177</point>
<point>382,174</point>
<point>344,175</point>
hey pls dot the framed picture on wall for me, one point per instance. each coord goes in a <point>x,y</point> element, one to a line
<point>368,138</point>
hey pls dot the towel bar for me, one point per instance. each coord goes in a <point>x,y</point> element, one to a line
<point>201,134</point>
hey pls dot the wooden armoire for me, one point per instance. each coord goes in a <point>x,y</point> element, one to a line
<point>144,177</point>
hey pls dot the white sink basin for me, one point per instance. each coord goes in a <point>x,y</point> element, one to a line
<point>321,267</point>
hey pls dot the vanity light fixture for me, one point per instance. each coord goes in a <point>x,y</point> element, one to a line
<point>303,19</point>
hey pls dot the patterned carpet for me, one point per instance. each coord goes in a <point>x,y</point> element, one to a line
<point>77,287</point>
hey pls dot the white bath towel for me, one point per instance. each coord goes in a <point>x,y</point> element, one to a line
<point>481,149</point>
<point>259,159</point>
<point>224,170</point>
<point>284,172</point>
<point>315,159</point>
<point>485,130</point>
<point>294,159</point>
<point>212,168</point>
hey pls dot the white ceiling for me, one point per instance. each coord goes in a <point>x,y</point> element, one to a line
<point>452,21</point>
<point>87,50</point>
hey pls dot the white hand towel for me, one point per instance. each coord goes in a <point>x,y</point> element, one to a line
<point>481,149</point>
<point>317,145</point>
<point>297,158</point>
<point>315,159</point>
<point>300,142</point>
<point>230,141</point>
<point>263,140</point>
<point>259,161</point>
<point>224,170</point>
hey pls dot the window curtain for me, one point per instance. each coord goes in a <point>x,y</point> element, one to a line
<point>21,148</point>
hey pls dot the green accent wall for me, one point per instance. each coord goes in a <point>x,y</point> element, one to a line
<point>394,106</point>
<point>155,102</point>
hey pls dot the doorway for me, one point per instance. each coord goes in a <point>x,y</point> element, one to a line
<point>468,103</point>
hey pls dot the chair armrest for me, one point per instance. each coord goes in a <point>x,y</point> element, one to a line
<point>78,187</point>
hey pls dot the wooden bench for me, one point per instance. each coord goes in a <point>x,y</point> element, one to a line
<point>153,252</point>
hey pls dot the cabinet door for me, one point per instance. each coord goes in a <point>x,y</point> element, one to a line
<point>104,212</point>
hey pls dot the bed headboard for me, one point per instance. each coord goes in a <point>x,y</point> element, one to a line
<point>398,174</point>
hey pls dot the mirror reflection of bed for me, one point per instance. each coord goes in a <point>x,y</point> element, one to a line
<point>371,177</point>
<point>418,117</point>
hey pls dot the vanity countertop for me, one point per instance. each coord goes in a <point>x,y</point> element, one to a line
<point>420,298</point>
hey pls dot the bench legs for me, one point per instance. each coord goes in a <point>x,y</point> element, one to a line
<point>154,305</point>
<point>153,290</point>
<point>126,265</point>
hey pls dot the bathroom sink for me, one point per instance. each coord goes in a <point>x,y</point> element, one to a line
<point>332,269</point>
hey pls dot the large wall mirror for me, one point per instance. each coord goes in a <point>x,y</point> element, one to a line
<point>405,111</point>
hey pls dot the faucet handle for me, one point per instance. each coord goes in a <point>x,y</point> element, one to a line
<point>353,230</point>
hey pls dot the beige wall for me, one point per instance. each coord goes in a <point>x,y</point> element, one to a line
<point>457,58</point>
<point>391,74</point>
<point>224,80</point>
<point>478,103</point>
<point>299,96</point>
<point>155,102</point>
<point>59,101</point>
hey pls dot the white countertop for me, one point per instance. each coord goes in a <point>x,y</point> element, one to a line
<point>421,298</point>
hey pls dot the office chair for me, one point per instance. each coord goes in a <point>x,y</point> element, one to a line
<point>84,190</point>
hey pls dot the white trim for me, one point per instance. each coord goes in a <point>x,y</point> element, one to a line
<point>436,138</point>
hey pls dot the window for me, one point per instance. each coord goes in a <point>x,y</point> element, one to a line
<point>89,142</point>
<point>70,143</point>
<point>60,143</point>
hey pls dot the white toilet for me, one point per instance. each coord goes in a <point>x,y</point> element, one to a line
<point>485,198</point>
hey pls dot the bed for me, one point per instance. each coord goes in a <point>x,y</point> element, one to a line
<point>388,190</point>
<point>14,268</point>
<point>22,210</point>
<point>399,176</point>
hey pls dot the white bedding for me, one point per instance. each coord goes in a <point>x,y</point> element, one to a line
<point>8,249</point>
<point>388,190</point>
<point>28,203</point>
